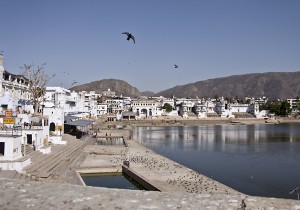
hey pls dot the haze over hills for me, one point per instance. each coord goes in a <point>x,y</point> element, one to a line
<point>274,85</point>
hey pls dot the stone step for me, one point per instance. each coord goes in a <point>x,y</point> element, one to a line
<point>60,168</point>
<point>44,160</point>
<point>61,159</point>
<point>54,161</point>
<point>18,176</point>
<point>28,149</point>
<point>9,174</point>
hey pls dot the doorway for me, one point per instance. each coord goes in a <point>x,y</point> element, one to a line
<point>2,148</point>
<point>52,126</point>
<point>29,138</point>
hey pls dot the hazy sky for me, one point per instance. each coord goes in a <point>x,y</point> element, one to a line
<point>206,39</point>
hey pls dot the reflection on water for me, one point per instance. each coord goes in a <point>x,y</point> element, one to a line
<point>110,141</point>
<point>260,160</point>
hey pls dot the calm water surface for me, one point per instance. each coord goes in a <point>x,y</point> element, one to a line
<point>260,160</point>
<point>118,181</point>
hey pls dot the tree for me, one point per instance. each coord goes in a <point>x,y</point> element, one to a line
<point>280,108</point>
<point>285,108</point>
<point>168,107</point>
<point>297,106</point>
<point>37,80</point>
<point>229,100</point>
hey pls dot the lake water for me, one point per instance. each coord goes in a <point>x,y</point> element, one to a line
<point>259,160</point>
<point>118,181</point>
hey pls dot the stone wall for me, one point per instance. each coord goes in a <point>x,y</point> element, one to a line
<point>16,194</point>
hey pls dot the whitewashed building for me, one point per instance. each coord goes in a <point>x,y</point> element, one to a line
<point>16,85</point>
<point>146,108</point>
<point>18,130</point>
<point>114,105</point>
<point>294,104</point>
<point>63,98</point>
<point>101,109</point>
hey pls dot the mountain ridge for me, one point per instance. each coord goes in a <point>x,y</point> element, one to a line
<point>274,85</point>
<point>120,87</point>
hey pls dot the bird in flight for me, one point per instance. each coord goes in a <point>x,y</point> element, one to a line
<point>175,66</point>
<point>129,36</point>
<point>73,83</point>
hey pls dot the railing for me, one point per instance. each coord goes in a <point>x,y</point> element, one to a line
<point>15,131</point>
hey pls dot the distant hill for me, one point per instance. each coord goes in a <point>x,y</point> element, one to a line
<point>274,85</point>
<point>147,93</point>
<point>120,87</point>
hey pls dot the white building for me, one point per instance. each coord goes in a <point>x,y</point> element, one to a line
<point>18,130</point>
<point>16,85</point>
<point>9,104</point>
<point>200,110</point>
<point>108,93</point>
<point>293,104</point>
<point>101,109</point>
<point>146,108</point>
<point>59,97</point>
<point>114,105</point>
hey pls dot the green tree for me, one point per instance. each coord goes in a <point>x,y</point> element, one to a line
<point>280,108</point>
<point>285,108</point>
<point>298,104</point>
<point>263,107</point>
<point>275,107</point>
<point>167,107</point>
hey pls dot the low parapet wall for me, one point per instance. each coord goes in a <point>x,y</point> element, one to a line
<point>17,194</point>
<point>139,179</point>
<point>17,165</point>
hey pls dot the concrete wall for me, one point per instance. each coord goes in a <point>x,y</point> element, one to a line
<point>12,147</point>
<point>138,178</point>
<point>16,194</point>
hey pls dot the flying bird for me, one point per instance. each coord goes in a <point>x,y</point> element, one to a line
<point>73,83</point>
<point>295,190</point>
<point>129,36</point>
<point>176,66</point>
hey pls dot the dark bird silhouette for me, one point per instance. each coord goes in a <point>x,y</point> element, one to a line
<point>129,36</point>
<point>176,66</point>
<point>295,190</point>
<point>73,83</point>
